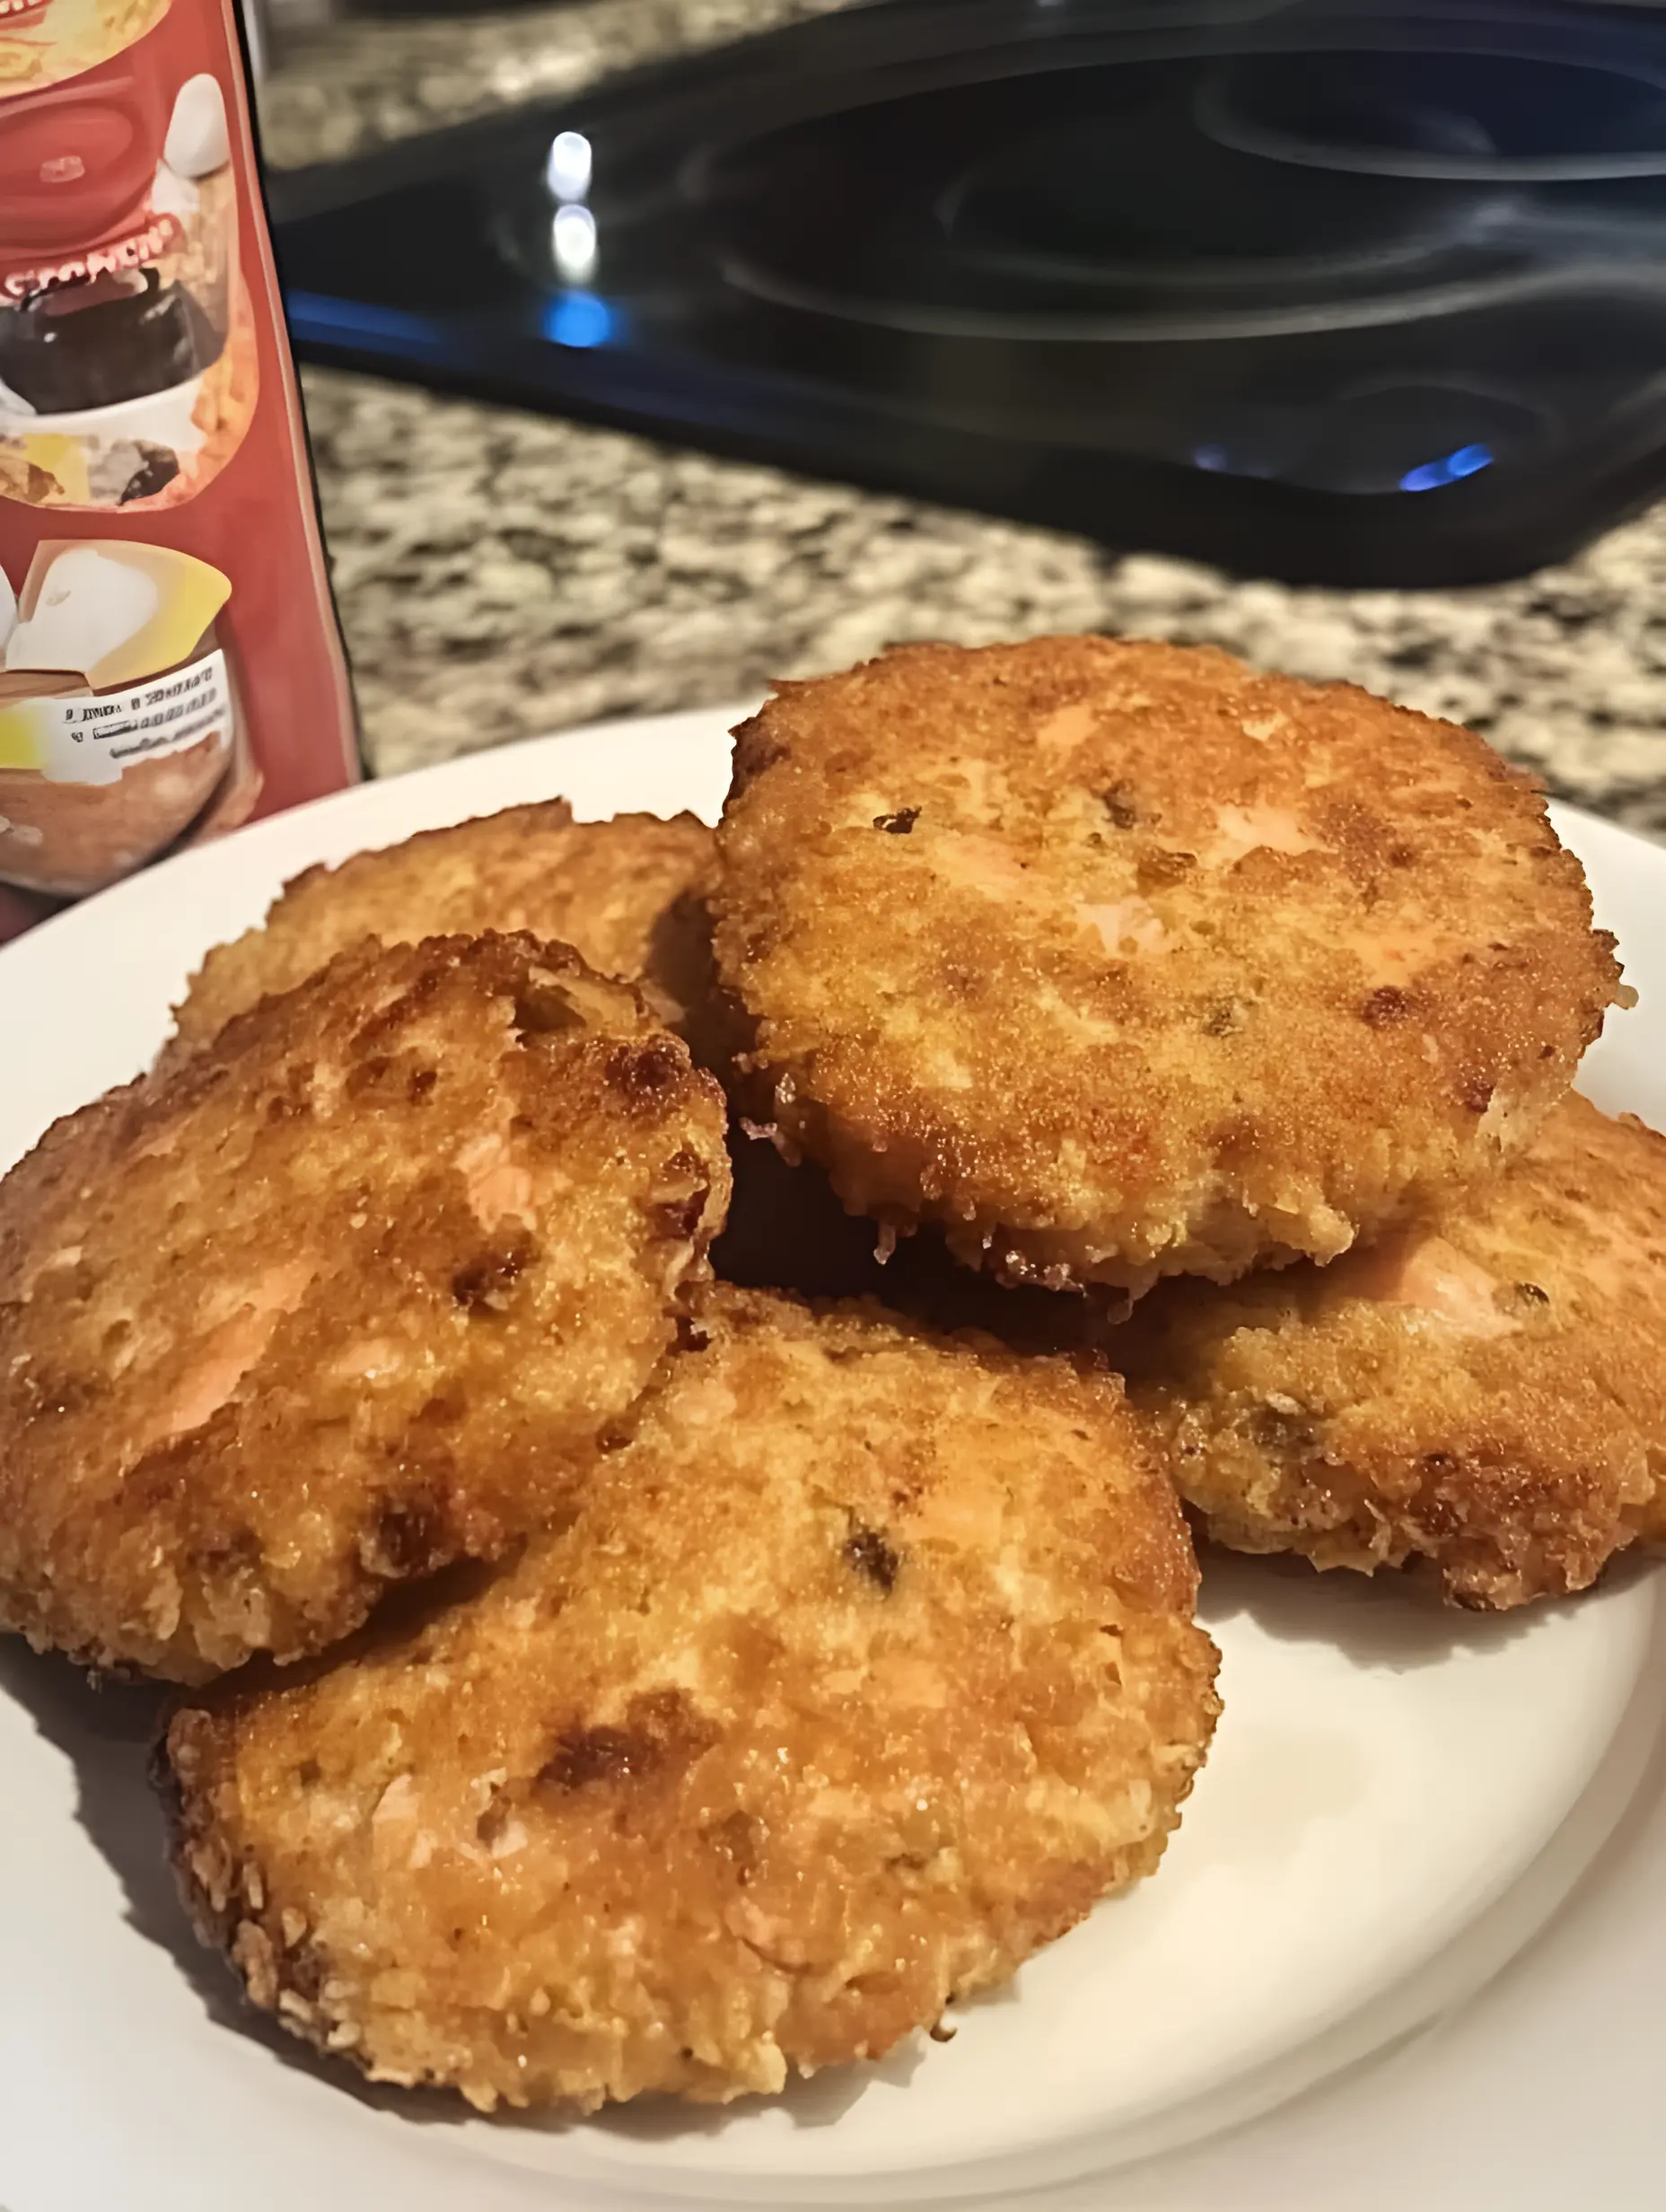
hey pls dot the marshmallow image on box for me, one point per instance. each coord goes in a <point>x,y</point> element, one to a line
<point>88,606</point>
<point>113,613</point>
<point>199,139</point>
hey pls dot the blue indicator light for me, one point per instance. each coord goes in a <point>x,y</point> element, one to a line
<point>578,318</point>
<point>1467,460</point>
<point>1211,457</point>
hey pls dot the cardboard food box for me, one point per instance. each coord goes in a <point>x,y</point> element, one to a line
<point>170,661</point>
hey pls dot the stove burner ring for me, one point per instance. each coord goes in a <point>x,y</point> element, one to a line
<point>1230,281</point>
<point>1090,204</point>
<point>1223,120</point>
<point>1176,211</point>
<point>1096,327</point>
<point>1419,248</point>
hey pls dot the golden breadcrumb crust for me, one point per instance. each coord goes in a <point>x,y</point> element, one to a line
<point>1123,961</point>
<point>626,893</point>
<point>861,1672</point>
<point>332,1304</point>
<point>1484,1394</point>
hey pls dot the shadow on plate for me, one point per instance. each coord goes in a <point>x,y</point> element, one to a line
<point>106,1732</point>
<point>1393,1620</point>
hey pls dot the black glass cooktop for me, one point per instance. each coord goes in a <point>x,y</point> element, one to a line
<point>1337,289</point>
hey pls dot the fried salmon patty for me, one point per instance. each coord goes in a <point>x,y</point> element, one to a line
<point>861,1672</point>
<point>626,893</point>
<point>333,1305</point>
<point>1122,960</point>
<point>1484,1394</point>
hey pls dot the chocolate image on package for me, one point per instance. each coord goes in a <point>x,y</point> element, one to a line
<point>124,325</point>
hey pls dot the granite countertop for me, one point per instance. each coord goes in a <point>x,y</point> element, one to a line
<point>342,87</point>
<point>501,575</point>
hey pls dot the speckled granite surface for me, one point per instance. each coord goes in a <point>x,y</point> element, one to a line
<point>501,575</point>
<point>344,87</point>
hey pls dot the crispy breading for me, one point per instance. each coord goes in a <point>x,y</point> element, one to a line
<point>626,893</point>
<point>332,1304</point>
<point>861,1672</point>
<point>1123,961</point>
<point>1483,1393</point>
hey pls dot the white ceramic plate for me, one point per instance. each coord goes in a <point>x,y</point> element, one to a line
<point>1341,1990</point>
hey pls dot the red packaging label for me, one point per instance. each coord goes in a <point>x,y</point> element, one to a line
<point>169,664</point>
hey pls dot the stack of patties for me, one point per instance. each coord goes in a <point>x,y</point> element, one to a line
<point>697,1685</point>
<point>771,1670</point>
<point>1119,965</point>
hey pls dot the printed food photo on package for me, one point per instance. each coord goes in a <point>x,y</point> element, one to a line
<point>169,662</point>
<point>119,718</point>
<point>127,372</point>
<point>44,42</point>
